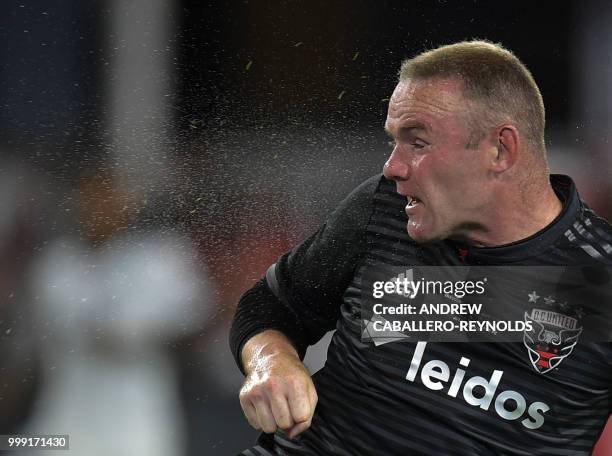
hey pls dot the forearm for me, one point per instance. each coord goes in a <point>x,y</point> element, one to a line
<point>259,311</point>
<point>263,347</point>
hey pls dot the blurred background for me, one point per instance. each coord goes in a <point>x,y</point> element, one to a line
<point>156,156</point>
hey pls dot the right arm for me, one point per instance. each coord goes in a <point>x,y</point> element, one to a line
<point>278,391</point>
<point>293,307</point>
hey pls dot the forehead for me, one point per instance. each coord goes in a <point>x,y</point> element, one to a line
<point>424,102</point>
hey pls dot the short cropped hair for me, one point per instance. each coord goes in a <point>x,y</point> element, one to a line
<point>496,84</point>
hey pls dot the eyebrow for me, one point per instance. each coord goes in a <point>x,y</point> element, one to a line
<point>417,126</point>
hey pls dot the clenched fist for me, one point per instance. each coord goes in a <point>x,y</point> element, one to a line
<point>278,391</point>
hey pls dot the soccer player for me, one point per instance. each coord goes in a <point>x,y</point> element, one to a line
<point>467,183</point>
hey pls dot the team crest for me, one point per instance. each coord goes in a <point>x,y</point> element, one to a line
<point>551,340</point>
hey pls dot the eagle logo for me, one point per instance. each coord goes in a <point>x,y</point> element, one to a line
<point>551,339</point>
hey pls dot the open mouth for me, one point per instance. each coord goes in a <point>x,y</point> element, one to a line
<point>413,201</point>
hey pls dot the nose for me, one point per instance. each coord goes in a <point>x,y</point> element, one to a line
<point>397,167</point>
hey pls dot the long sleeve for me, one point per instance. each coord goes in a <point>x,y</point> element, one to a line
<point>301,294</point>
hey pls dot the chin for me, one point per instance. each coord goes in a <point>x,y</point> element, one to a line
<point>421,234</point>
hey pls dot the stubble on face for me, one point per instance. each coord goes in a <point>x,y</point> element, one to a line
<point>444,175</point>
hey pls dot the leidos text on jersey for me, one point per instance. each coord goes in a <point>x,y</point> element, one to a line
<point>436,373</point>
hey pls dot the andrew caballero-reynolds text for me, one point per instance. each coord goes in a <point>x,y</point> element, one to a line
<point>454,290</point>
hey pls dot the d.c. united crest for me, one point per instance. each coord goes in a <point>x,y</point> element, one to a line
<point>552,338</point>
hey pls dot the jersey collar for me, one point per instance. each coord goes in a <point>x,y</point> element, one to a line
<point>537,243</point>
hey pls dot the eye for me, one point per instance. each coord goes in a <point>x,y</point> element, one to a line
<point>415,144</point>
<point>418,144</point>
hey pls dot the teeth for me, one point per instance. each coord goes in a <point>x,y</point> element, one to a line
<point>413,200</point>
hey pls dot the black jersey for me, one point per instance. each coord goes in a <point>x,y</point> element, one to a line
<point>374,398</point>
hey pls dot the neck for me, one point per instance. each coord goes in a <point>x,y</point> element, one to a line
<point>516,215</point>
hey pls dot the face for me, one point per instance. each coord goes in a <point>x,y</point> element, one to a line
<point>445,183</point>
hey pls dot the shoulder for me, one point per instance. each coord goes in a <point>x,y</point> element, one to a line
<point>591,237</point>
<point>364,192</point>
<point>596,223</point>
<point>357,207</point>
<point>375,191</point>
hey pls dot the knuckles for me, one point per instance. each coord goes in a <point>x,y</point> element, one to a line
<point>254,395</point>
<point>269,429</point>
<point>273,386</point>
<point>295,382</point>
<point>262,388</point>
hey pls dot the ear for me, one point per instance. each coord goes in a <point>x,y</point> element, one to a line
<point>505,150</point>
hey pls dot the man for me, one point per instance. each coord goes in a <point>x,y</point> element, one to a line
<point>467,183</point>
